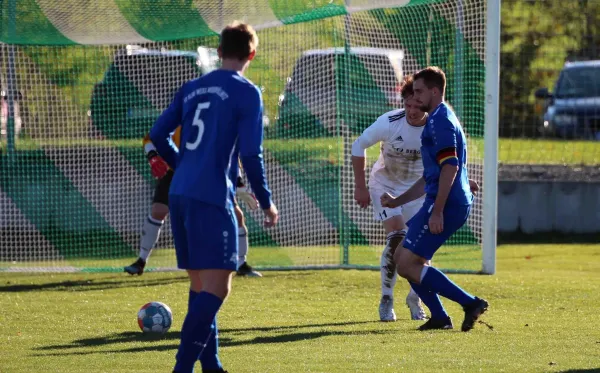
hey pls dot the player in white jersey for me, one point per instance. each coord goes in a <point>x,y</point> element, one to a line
<point>399,166</point>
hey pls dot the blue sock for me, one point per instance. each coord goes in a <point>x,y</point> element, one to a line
<point>196,331</point>
<point>210,356</point>
<point>191,299</point>
<point>439,283</point>
<point>431,300</point>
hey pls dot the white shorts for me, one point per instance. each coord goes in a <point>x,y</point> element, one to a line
<point>381,213</point>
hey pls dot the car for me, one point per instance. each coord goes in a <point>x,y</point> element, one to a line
<point>139,84</point>
<point>573,109</point>
<point>339,89</point>
<point>4,114</point>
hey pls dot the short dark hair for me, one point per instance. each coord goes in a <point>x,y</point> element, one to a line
<point>238,40</point>
<point>432,76</point>
<point>406,87</point>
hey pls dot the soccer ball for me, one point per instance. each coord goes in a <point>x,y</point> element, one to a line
<point>155,317</point>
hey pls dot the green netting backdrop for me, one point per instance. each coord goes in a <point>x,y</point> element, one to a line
<point>91,77</point>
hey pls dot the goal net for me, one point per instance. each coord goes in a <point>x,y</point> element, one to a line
<point>82,83</point>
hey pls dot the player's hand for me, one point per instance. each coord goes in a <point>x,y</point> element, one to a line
<point>158,166</point>
<point>387,200</point>
<point>271,216</point>
<point>362,197</point>
<point>244,194</point>
<point>436,222</point>
<point>474,186</point>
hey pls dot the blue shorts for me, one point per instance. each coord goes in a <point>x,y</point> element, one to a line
<point>206,236</point>
<point>419,238</point>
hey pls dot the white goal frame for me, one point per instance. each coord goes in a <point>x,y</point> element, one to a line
<point>490,154</point>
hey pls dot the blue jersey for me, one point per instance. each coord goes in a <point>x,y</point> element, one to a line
<point>443,142</point>
<point>220,115</point>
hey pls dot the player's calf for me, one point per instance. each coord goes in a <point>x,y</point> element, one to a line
<point>409,265</point>
<point>244,269</point>
<point>388,267</point>
<point>388,275</point>
<point>150,233</point>
<point>152,227</point>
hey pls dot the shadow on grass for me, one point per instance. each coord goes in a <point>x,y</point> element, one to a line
<point>287,327</point>
<point>224,339</point>
<point>125,337</point>
<point>591,370</point>
<point>116,282</point>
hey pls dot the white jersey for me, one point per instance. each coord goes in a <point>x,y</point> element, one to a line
<point>399,165</point>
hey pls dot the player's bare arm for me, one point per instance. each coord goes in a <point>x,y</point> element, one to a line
<point>416,191</point>
<point>361,192</point>
<point>271,216</point>
<point>447,176</point>
<point>373,134</point>
<point>250,142</point>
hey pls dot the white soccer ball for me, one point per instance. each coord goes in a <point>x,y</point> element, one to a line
<point>155,317</point>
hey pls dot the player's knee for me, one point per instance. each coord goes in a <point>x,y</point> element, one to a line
<point>159,211</point>
<point>217,282</point>
<point>399,254</point>
<point>221,290</point>
<point>395,223</point>
<point>402,264</point>
<point>405,262</point>
<point>402,270</point>
<point>195,282</point>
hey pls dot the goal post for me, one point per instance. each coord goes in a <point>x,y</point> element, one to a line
<point>87,85</point>
<point>490,170</point>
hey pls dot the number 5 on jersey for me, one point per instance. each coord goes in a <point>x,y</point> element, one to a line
<point>198,123</point>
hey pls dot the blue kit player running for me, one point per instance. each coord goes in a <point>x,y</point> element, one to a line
<point>220,116</point>
<point>448,198</point>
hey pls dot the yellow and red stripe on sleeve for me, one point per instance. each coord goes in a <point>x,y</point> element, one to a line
<point>447,155</point>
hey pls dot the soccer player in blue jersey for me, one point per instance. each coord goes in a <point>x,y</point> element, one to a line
<point>448,199</point>
<point>220,116</point>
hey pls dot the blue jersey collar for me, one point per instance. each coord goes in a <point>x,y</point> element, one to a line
<point>437,108</point>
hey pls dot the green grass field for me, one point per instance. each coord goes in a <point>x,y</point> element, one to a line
<point>543,318</point>
<point>511,151</point>
<point>451,257</point>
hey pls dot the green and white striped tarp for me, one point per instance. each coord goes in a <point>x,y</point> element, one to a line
<point>89,22</point>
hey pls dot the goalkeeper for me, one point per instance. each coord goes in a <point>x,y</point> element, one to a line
<point>160,209</point>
